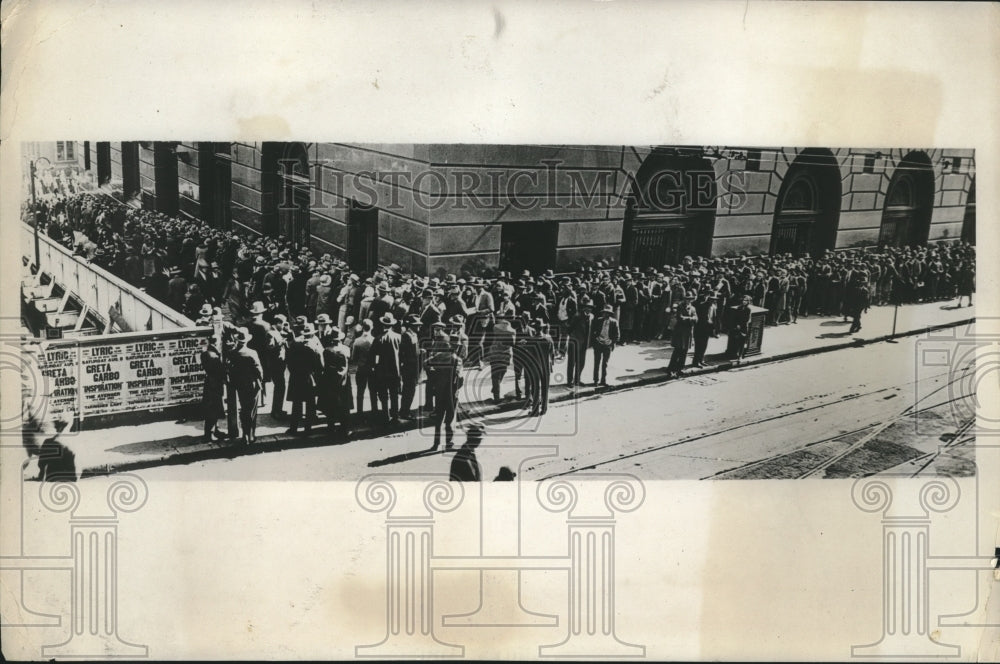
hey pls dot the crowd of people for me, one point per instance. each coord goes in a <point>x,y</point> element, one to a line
<point>303,326</point>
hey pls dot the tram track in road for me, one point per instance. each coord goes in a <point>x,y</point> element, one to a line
<point>828,458</point>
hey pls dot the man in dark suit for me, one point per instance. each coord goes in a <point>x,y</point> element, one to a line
<point>580,330</point>
<point>605,337</point>
<point>500,352</point>
<point>704,327</point>
<point>305,370</point>
<point>445,382</point>
<point>214,389</point>
<point>680,339</point>
<point>465,466</point>
<point>385,368</point>
<point>247,378</point>
<point>409,363</point>
<point>540,367</point>
<point>336,396</point>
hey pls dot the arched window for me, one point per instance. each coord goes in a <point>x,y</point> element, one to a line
<point>807,211</point>
<point>906,216</point>
<point>671,211</point>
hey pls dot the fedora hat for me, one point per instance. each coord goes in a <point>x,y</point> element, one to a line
<point>325,279</point>
<point>458,319</point>
<point>323,319</point>
<point>206,310</point>
<point>334,334</point>
<point>388,320</point>
<point>308,330</point>
<point>413,320</point>
<point>257,308</point>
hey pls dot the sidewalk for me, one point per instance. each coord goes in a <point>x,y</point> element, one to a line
<point>124,448</point>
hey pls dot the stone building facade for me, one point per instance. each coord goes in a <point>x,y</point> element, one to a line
<point>438,208</point>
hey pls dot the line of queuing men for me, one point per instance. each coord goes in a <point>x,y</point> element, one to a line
<point>189,265</point>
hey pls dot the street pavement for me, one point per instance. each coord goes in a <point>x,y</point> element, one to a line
<point>587,420</point>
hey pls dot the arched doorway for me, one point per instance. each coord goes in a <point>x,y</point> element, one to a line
<point>807,212</point>
<point>969,222</point>
<point>286,189</point>
<point>671,209</point>
<point>906,217</point>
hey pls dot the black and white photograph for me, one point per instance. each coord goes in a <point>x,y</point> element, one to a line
<point>313,310</point>
<point>509,330</point>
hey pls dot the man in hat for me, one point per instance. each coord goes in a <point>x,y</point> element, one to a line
<point>458,339</point>
<point>268,345</point>
<point>176,289</point>
<point>213,390</point>
<point>325,298</point>
<point>246,375</point>
<point>565,309</point>
<point>605,337</point>
<point>500,352</point>
<point>345,300</point>
<point>539,369</point>
<point>204,315</point>
<point>681,336</point>
<point>704,327</point>
<point>410,356</point>
<point>323,324</point>
<point>484,298</point>
<point>385,368</point>
<point>362,367</point>
<point>453,305</point>
<point>857,299</point>
<point>480,324</point>
<point>305,371</point>
<point>579,334</point>
<point>464,466</point>
<point>336,397</point>
<point>445,381</point>
<point>382,304</point>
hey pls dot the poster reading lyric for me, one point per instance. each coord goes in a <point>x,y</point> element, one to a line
<point>120,375</point>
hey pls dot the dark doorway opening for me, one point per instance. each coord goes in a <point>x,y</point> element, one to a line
<point>86,155</point>
<point>671,209</point>
<point>969,221</point>
<point>906,217</point>
<point>285,188</point>
<point>215,183</point>
<point>103,163</point>
<point>130,169</point>
<point>362,238</point>
<point>528,246</point>
<point>807,213</point>
<point>165,178</point>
